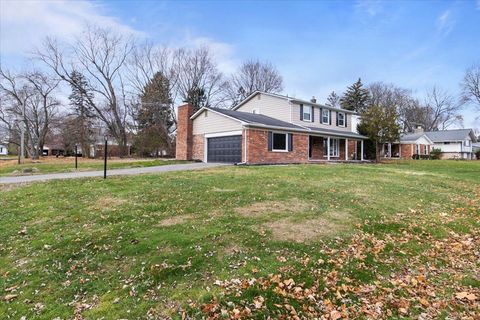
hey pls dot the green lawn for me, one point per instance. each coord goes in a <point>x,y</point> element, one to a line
<point>392,240</point>
<point>68,165</point>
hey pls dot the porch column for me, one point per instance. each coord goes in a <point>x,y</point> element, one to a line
<point>328,148</point>
<point>361,150</point>
<point>346,149</point>
<point>389,150</point>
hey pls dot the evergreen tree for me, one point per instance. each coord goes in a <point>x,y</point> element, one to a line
<point>355,98</point>
<point>197,98</point>
<point>82,111</point>
<point>380,124</point>
<point>155,117</point>
<point>333,100</point>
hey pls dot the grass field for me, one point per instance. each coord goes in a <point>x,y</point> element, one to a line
<point>398,240</point>
<point>55,165</point>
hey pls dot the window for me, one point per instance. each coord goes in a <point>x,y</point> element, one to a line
<point>341,119</point>
<point>467,143</point>
<point>279,142</point>
<point>326,116</point>
<point>205,113</point>
<point>447,142</point>
<point>334,147</point>
<point>307,113</point>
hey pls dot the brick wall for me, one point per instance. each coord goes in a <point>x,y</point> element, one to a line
<point>407,151</point>
<point>257,149</point>
<point>352,147</point>
<point>198,147</point>
<point>317,148</point>
<point>184,141</point>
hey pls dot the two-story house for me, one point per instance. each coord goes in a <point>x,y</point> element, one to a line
<point>269,128</point>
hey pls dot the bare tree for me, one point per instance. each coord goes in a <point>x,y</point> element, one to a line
<point>471,86</point>
<point>199,82</point>
<point>101,55</point>
<point>333,100</point>
<point>442,110</point>
<point>29,99</point>
<point>253,75</point>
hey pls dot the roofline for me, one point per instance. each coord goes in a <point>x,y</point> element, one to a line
<point>309,131</point>
<point>196,114</point>
<point>423,135</point>
<point>241,103</point>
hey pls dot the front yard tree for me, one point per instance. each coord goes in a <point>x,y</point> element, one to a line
<point>83,112</point>
<point>442,110</point>
<point>155,118</point>
<point>100,55</point>
<point>471,86</point>
<point>355,98</point>
<point>380,124</point>
<point>254,75</point>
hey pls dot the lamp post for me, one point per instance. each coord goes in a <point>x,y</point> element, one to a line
<point>105,152</point>
<point>76,156</point>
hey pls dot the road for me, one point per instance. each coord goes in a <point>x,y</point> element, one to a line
<point>113,172</point>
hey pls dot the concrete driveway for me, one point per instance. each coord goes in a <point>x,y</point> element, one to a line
<point>113,172</point>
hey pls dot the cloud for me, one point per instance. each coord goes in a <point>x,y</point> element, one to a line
<point>222,52</point>
<point>24,24</point>
<point>445,22</point>
<point>370,7</point>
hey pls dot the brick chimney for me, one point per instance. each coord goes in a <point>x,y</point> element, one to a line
<point>313,100</point>
<point>418,129</point>
<point>184,132</point>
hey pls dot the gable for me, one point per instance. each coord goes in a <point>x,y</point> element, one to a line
<point>209,121</point>
<point>267,104</point>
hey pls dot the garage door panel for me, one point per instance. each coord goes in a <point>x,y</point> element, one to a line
<point>224,149</point>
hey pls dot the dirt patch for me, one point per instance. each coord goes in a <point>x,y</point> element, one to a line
<point>328,225</point>
<point>13,186</point>
<point>108,202</point>
<point>223,190</point>
<point>173,221</point>
<point>259,209</point>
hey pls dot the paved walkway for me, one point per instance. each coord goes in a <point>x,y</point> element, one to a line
<point>113,172</point>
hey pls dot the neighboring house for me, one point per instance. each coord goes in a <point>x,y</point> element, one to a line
<point>476,148</point>
<point>3,150</point>
<point>268,128</point>
<point>454,144</point>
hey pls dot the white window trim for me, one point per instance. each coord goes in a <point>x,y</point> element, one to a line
<point>286,142</point>
<point>328,116</point>
<point>344,115</point>
<point>309,113</point>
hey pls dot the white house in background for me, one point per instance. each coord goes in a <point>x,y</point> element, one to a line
<point>455,144</point>
<point>3,150</point>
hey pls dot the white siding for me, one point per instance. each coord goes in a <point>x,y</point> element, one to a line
<point>316,123</point>
<point>274,107</point>
<point>452,147</point>
<point>214,123</point>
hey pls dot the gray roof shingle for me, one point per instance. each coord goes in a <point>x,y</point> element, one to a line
<point>448,135</point>
<point>256,118</point>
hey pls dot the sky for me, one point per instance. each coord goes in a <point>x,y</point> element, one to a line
<point>317,46</point>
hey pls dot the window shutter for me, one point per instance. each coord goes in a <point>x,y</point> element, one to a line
<point>321,115</point>
<point>313,114</point>
<point>290,142</point>
<point>270,140</point>
<point>336,118</point>
<point>330,117</point>
<point>345,119</point>
<point>301,112</point>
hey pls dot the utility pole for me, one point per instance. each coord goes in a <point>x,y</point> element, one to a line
<point>105,152</point>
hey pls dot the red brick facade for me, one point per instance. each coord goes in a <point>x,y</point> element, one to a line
<point>406,151</point>
<point>257,149</point>
<point>184,142</point>
<point>198,147</point>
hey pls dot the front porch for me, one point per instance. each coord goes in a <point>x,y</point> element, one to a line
<point>331,148</point>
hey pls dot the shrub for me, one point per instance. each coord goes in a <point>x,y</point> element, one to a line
<point>435,154</point>
<point>477,154</point>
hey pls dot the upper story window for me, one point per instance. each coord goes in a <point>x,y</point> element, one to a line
<point>341,119</point>
<point>307,113</point>
<point>467,143</point>
<point>326,116</point>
